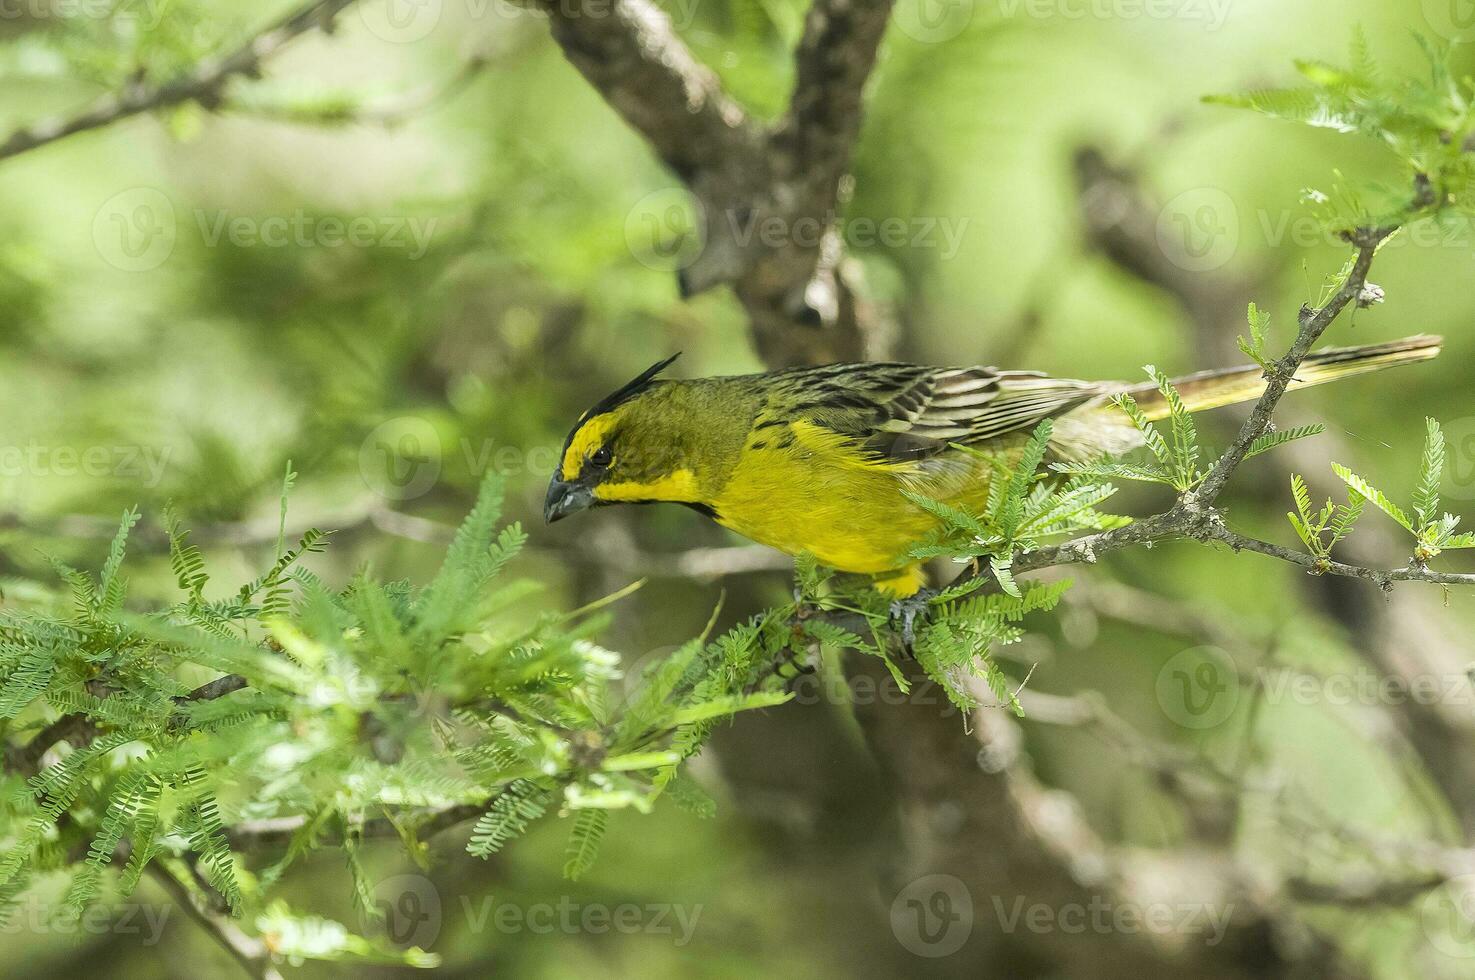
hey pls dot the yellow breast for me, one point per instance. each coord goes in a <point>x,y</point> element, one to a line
<point>809,491</point>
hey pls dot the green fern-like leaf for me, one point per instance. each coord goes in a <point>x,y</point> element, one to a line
<point>952,517</point>
<point>1184,453</point>
<point>1431,472</point>
<point>470,561</point>
<point>584,840</point>
<point>1154,440</point>
<point>1373,494</point>
<point>1274,440</point>
<point>184,558</point>
<point>1254,348</point>
<point>208,837</point>
<point>110,586</point>
<point>1344,516</point>
<point>509,816</point>
<point>1309,106</point>
<point>1010,512</point>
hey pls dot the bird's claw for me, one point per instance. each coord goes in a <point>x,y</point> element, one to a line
<point>907,611</point>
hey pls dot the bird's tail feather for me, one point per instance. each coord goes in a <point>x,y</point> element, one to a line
<point>1228,386</point>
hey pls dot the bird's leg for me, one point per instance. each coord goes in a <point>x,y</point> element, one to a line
<point>907,611</point>
<point>801,664</point>
<point>793,665</point>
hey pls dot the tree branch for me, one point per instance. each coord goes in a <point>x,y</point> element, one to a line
<point>792,278</point>
<point>26,759</point>
<point>1313,325</point>
<point>276,831</point>
<point>808,156</point>
<point>629,51</point>
<point>1194,521</point>
<point>835,57</point>
<point>78,729</point>
<point>1193,514</point>
<point>250,951</point>
<point>203,84</point>
<point>1383,579</point>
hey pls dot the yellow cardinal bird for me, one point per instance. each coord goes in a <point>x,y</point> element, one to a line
<point>815,459</point>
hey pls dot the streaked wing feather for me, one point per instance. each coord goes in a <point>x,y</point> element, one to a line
<point>905,412</point>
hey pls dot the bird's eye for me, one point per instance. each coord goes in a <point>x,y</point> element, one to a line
<point>601,457</point>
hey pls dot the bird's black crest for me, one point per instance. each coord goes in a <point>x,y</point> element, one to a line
<point>630,390</point>
<point>641,382</point>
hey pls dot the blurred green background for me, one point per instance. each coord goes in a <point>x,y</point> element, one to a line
<point>190,300</point>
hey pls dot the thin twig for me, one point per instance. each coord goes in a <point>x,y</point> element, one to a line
<point>1384,579</point>
<point>276,831</point>
<point>388,113</point>
<point>79,729</point>
<point>1313,324</point>
<point>203,83</point>
<point>250,951</point>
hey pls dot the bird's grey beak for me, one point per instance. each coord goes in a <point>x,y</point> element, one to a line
<point>565,498</point>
